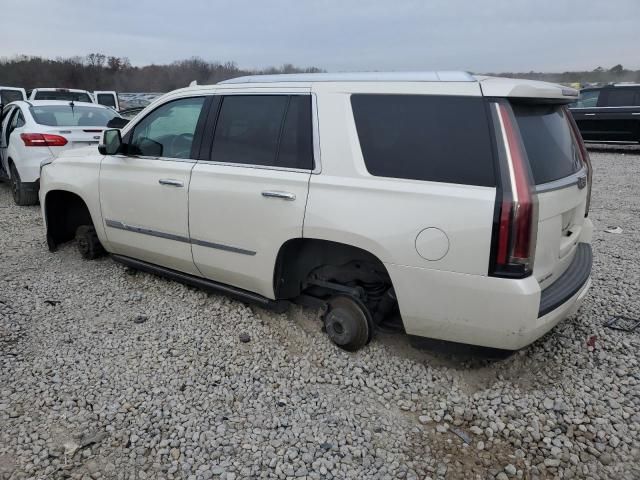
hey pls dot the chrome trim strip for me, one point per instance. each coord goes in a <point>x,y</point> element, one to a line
<point>602,108</point>
<point>562,183</point>
<point>161,159</point>
<point>145,231</point>
<point>256,167</point>
<point>220,246</point>
<point>178,238</point>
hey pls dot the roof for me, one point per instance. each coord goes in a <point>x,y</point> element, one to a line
<point>441,76</point>
<point>42,103</point>
<point>59,89</point>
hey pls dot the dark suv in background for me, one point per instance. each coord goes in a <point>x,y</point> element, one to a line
<point>609,114</point>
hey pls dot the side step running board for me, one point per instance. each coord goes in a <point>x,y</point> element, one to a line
<point>279,306</point>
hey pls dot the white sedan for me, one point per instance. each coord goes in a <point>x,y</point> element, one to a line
<point>35,131</point>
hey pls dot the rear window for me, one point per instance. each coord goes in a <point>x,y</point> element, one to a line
<point>68,116</point>
<point>62,95</point>
<point>425,137</point>
<point>546,133</point>
<point>8,96</point>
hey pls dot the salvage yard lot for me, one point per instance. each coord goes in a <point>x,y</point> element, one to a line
<point>107,373</point>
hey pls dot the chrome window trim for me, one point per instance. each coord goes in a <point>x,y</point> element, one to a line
<point>177,238</point>
<point>602,108</point>
<point>161,159</point>
<point>562,182</point>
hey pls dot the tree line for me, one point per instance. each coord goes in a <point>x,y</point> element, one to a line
<point>598,75</point>
<point>98,71</point>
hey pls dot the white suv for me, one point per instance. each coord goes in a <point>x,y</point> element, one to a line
<point>455,203</point>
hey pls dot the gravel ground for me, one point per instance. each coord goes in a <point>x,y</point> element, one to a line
<point>107,373</point>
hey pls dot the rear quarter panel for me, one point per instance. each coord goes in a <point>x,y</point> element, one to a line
<point>385,215</point>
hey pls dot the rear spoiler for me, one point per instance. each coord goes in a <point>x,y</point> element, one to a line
<point>543,92</point>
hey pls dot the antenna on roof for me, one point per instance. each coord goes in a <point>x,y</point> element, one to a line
<point>194,83</point>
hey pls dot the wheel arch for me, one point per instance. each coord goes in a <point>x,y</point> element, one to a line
<point>64,211</point>
<point>298,257</point>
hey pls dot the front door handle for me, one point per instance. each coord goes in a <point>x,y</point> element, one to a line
<point>275,194</point>
<point>170,182</point>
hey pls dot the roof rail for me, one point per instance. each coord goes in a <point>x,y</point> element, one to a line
<point>443,76</point>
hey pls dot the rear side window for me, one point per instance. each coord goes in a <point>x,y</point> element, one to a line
<point>440,138</point>
<point>264,130</point>
<point>622,97</point>
<point>106,99</point>
<point>547,138</point>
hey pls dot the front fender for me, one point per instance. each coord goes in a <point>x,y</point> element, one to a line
<point>79,175</point>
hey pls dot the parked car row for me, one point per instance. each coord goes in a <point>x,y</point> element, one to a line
<point>452,205</point>
<point>107,98</point>
<point>609,114</point>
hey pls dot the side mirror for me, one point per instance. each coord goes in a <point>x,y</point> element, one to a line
<point>111,142</point>
<point>117,122</point>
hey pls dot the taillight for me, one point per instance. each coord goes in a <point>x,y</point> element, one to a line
<point>42,140</point>
<point>515,229</point>
<point>584,155</point>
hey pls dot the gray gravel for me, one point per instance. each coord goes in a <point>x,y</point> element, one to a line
<point>109,374</point>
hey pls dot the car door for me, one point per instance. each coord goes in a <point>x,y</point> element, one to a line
<point>11,146</point>
<point>249,190</point>
<point>144,192</point>
<point>616,121</point>
<point>5,121</point>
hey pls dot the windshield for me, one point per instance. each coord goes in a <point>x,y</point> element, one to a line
<point>62,95</point>
<point>68,116</point>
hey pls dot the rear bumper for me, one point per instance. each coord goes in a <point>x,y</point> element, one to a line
<point>487,311</point>
<point>570,282</point>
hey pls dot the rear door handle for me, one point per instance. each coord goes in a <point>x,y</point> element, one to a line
<point>170,182</point>
<point>589,114</point>
<point>275,194</point>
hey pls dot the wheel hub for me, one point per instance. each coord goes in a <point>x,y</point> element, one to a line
<point>348,322</point>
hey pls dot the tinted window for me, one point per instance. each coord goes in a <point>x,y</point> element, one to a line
<point>588,99</point>
<point>296,144</point>
<point>546,133</point>
<point>8,96</point>
<point>76,116</point>
<point>62,95</point>
<point>106,99</point>
<point>425,137</point>
<point>623,97</point>
<point>267,130</point>
<point>168,131</point>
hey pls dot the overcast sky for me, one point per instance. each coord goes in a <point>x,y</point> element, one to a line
<point>336,35</point>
